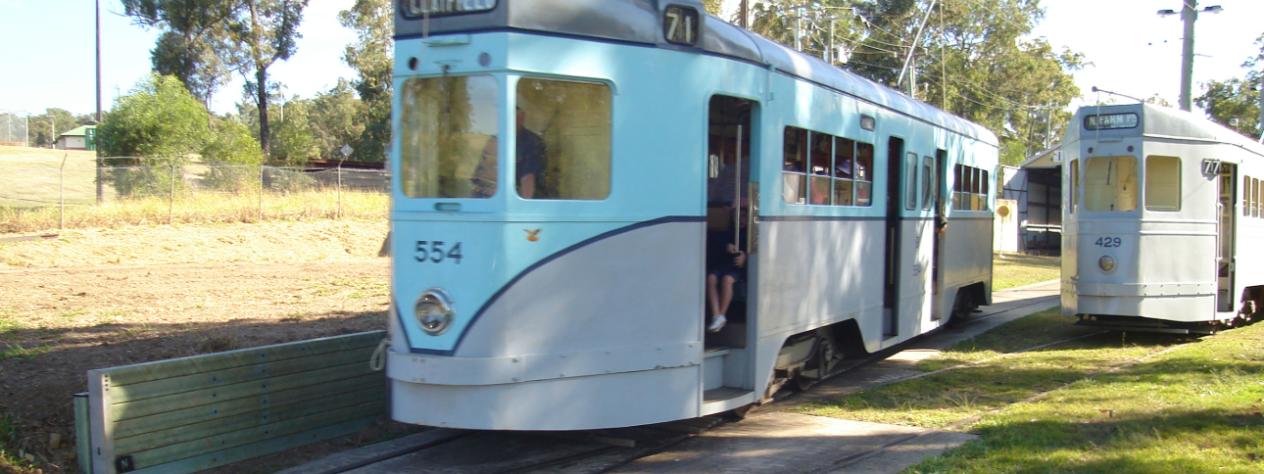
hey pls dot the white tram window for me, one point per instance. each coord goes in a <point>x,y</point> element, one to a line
<point>910,181</point>
<point>570,156</point>
<point>928,184</point>
<point>1163,183</point>
<point>976,184</point>
<point>794,149</point>
<point>1074,189</point>
<point>864,174</point>
<point>844,172</point>
<point>1110,184</point>
<point>1255,193</point>
<point>1246,195</point>
<point>447,147</point>
<point>822,151</point>
<point>983,191</point>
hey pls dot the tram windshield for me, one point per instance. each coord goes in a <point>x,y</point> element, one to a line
<point>448,137</point>
<point>1110,184</point>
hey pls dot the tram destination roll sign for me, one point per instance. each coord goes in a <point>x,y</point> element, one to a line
<point>420,8</point>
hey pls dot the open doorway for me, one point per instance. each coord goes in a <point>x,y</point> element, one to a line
<point>730,219</point>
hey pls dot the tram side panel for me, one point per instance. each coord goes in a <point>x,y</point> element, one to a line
<point>1249,214</point>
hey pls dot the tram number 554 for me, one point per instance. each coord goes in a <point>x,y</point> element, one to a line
<point>436,251</point>
<point>1109,242</point>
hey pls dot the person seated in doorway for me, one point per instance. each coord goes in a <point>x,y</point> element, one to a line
<point>726,265</point>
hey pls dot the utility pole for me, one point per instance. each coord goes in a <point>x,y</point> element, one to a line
<point>100,185</point>
<point>1189,14</point>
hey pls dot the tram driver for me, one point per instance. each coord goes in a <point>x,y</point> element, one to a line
<point>530,157</point>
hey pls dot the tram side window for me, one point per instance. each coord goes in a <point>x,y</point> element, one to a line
<point>864,174</point>
<point>1255,187</point>
<point>822,150</point>
<point>1110,184</point>
<point>983,191</point>
<point>928,184</point>
<point>793,188</point>
<point>969,188</point>
<point>1074,190</point>
<point>1163,183</point>
<point>447,147</point>
<point>1246,195</point>
<point>563,139</point>
<point>844,172</point>
<point>910,181</point>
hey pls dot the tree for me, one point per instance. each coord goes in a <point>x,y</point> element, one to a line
<point>293,140</point>
<point>159,126</point>
<point>971,58</point>
<point>370,55</point>
<point>45,128</point>
<point>1235,103</point>
<point>193,30</point>
<point>235,154</point>
<point>263,32</point>
<point>336,118</point>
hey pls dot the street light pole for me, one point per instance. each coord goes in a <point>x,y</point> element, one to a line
<point>100,187</point>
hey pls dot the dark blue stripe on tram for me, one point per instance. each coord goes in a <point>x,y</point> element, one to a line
<point>559,254</point>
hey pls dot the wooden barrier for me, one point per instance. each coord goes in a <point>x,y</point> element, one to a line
<point>194,413</point>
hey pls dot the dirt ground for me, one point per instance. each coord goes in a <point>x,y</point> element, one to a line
<point>100,298</point>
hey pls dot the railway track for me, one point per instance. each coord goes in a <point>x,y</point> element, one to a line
<point>441,450</point>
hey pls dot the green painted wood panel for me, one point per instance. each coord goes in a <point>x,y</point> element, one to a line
<point>175,452</point>
<point>83,430</point>
<point>231,455</point>
<point>311,378</point>
<point>374,381</point>
<point>186,383</point>
<point>228,424</point>
<point>130,374</point>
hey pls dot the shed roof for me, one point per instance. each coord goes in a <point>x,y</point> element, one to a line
<point>77,131</point>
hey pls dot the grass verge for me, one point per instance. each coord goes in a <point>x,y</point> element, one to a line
<point>10,460</point>
<point>1104,403</point>
<point>1014,270</point>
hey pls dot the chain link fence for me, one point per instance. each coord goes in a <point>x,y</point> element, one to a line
<point>13,129</point>
<point>55,189</point>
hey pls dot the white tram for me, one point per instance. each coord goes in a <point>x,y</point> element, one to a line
<point>558,169</point>
<point>1162,221</point>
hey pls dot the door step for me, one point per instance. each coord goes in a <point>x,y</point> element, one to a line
<point>723,399</point>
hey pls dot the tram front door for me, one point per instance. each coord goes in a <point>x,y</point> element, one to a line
<point>730,220</point>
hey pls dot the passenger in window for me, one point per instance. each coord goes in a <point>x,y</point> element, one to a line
<point>530,158</point>
<point>726,265</point>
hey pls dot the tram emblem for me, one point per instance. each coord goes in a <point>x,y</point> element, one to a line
<point>533,235</point>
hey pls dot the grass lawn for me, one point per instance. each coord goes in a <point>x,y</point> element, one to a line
<point>1014,270</point>
<point>32,177</point>
<point>1101,403</point>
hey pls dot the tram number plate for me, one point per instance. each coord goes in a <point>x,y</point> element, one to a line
<point>436,251</point>
<point>1109,242</point>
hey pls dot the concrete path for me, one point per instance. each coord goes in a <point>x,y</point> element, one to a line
<point>775,439</point>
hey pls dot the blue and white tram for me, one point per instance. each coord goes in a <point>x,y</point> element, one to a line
<point>1162,208</point>
<point>555,183</point>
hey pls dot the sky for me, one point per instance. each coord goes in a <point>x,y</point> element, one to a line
<point>48,56</point>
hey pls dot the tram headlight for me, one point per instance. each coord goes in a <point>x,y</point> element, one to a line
<point>434,311</point>
<point>1106,263</point>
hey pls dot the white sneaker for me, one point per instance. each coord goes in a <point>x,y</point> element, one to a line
<point>717,323</point>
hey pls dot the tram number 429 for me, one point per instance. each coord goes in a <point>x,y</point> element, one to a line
<point>436,251</point>
<point>1109,242</point>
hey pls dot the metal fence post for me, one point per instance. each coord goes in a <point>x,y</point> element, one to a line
<point>338,215</point>
<point>262,185</point>
<point>171,192</point>
<point>61,194</point>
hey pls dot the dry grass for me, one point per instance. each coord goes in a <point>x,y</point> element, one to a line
<point>200,208</point>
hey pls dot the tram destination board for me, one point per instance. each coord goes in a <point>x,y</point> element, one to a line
<point>423,8</point>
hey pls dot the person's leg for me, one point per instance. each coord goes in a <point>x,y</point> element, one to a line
<point>726,293</point>
<point>713,297</point>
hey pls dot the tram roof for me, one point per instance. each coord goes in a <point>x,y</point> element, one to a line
<point>638,22</point>
<point>1160,121</point>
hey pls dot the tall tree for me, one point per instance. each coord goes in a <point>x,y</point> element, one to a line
<point>46,127</point>
<point>1235,102</point>
<point>370,55</point>
<point>193,30</point>
<point>261,33</point>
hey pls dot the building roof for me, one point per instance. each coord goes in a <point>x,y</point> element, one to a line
<point>1045,159</point>
<point>77,131</point>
